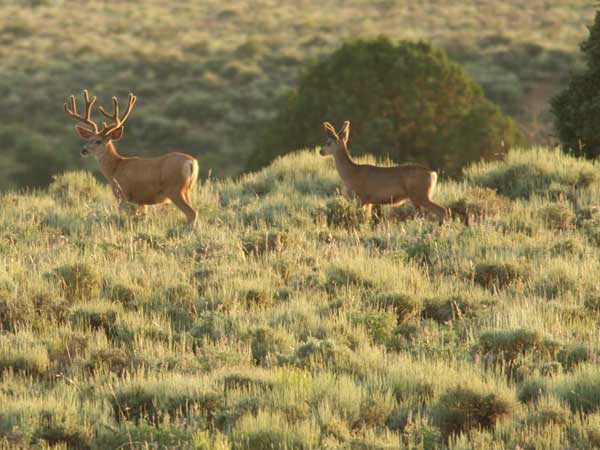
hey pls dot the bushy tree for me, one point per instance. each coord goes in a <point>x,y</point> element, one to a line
<point>576,110</point>
<point>405,101</point>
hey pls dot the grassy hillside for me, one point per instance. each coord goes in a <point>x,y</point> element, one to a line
<point>286,321</point>
<point>208,73</point>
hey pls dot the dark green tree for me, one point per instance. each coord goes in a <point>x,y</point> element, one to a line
<point>576,110</point>
<point>405,101</point>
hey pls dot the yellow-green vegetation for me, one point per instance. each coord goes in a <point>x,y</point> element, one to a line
<point>287,321</point>
<point>208,73</point>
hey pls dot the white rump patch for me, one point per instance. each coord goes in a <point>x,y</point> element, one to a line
<point>190,169</point>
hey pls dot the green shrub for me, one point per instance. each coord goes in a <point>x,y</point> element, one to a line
<point>154,399</point>
<point>379,325</point>
<point>507,346</point>
<point>257,297</point>
<point>117,360</point>
<point>22,354</point>
<point>537,171</point>
<point>558,216</point>
<point>346,213</point>
<point>592,303</point>
<point>46,421</point>
<point>23,144</point>
<point>576,109</point>
<point>259,243</point>
<point>513,342</point>
<point>98,316</point>
<point>75,188</point>
<point>557,281</point>
<point>268,431</point>
<point>326,354</point>
<point>374,443</point>
<point>586,433</point>
<point>548,411</point>
<point>364,81</point>
<point>247,380</point>
<point>453,308</point>
<point>267,344</point>
<point>570,356</point>
<point>461,409</point>
<point>213,325</point>
<point>144,435</point>
<point>402,334</point>
<point>531,390</point>
<point>375,408</point>
<point>478,204</point>
<point>179,303</point>
<point>581,390</point>
<point>79,281</point>
<point>339,277</point>
<point>404,306</point>
<point>129,297</point>
<point>496,275</point>
<point>14,313</point>
<point>65,349</point>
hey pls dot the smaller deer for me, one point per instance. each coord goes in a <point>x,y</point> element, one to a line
<point>373,185</point>
<point>144,181</point>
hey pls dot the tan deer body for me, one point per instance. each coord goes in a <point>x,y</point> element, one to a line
<point>373,185</point>
<point>143,181</point>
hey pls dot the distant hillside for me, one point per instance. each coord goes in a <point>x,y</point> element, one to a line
<point>207,73</point>
<point>287,321</point>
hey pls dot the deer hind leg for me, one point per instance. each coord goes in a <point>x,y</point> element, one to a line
<point>441,212</point>
<point>181,201</point>
<point>438,210</point>
<point>188,196</point>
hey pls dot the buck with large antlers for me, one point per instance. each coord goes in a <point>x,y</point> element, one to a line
<point>373,185</point>
<point>144,181</point>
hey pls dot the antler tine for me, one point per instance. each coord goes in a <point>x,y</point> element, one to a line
<point>118,121</point>
<point>86,97</point>
<point>86,119</point>
<point>130,105</point>
<point>73,109</point>
<point>110,116</point>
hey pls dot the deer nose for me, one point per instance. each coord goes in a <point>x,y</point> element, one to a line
<point>322,152</point>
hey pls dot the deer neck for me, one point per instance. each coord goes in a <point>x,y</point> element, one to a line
<point>344,164</point>
<point>109,160</point>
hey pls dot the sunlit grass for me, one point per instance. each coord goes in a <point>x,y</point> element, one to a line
<point>265,327</point>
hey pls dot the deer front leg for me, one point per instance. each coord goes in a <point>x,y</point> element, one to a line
<point>377,215</point>
<point>142,210</point>
<point>368,208</point>
<point>118,193</point>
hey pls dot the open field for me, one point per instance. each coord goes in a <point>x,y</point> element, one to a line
<point>286,321</point>
<point>208,74</point>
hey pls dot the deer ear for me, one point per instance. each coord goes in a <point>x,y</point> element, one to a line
<point>84,132</point>
<point>117,134</point>
<point>345,133</point>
